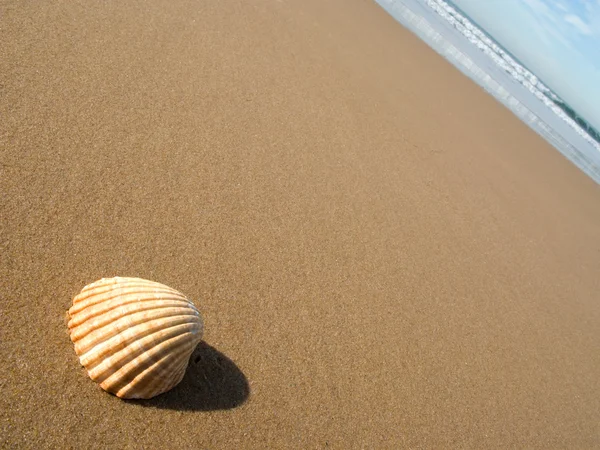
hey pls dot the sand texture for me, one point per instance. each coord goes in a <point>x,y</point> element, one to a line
<point>384,256</point>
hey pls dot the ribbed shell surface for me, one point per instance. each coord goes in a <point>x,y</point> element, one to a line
<point>133,336</point>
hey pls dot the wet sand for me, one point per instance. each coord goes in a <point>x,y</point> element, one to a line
<point>384,256</point>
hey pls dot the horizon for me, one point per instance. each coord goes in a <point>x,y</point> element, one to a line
<point>558,41</point>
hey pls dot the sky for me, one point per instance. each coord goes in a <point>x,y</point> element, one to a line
<point>558,40</point>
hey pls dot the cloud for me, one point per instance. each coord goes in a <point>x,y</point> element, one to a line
<point>579,24</point>
<point>546,23</point>
<point>537,6</point>
<point>560,6</point>
<point>569,24</point>
<point>591,5</point>
<point>593,18</point>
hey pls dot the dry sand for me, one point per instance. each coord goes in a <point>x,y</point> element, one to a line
<point>384,256</point>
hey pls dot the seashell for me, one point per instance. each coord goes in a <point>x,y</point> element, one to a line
<point>133,336</point>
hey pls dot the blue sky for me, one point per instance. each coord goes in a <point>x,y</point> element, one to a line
<point>559,40</point>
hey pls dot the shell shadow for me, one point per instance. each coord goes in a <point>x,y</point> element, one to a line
<point>212,382</point>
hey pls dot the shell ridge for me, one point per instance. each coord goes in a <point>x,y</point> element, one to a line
<point>118,316</point>
<point>110,282</point>
<point>121,362</point>
<point>94,352</point>
<point>162,375</point>
<point>110,294</point>
<point>81,316</point>
<point>145,361</point>
<point>103,289</point>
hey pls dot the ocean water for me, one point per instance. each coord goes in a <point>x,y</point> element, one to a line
<point>506,79</point>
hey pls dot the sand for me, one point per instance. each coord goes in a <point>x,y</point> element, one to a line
<point>385,257</point>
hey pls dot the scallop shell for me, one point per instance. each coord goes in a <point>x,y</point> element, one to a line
<point>133,336</point>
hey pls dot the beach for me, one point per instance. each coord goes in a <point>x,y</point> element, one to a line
<point>383,255</point>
